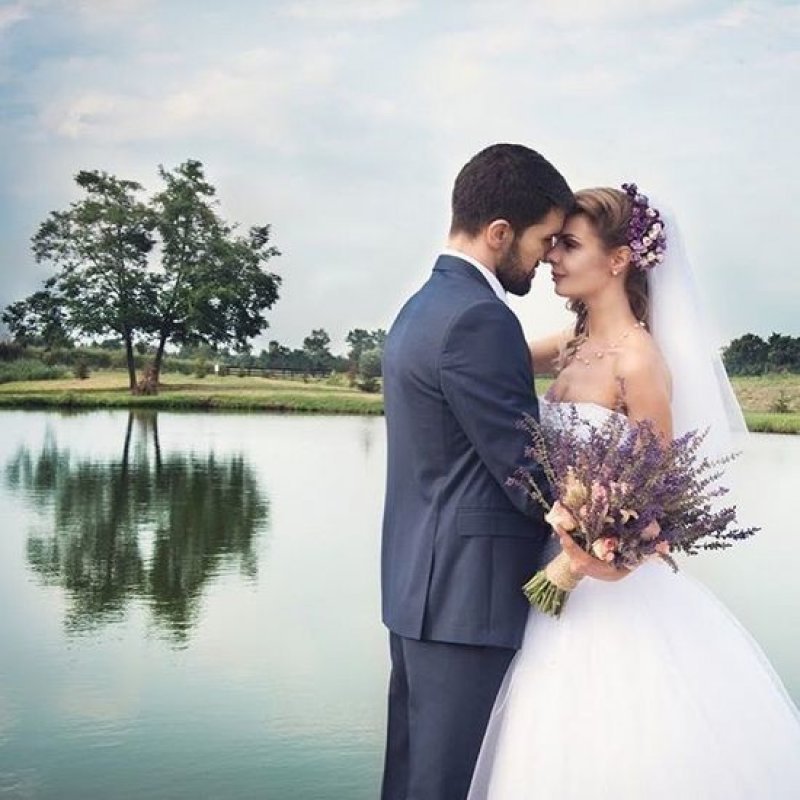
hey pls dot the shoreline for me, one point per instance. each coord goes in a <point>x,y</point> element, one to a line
<point>107,390</point>
<point>196,402</point>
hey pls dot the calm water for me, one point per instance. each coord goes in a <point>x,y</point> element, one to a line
<point>190,602</point>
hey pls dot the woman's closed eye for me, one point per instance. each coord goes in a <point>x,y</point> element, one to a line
<point>568,242</point>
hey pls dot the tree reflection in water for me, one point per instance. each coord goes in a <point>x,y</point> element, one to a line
<point>150,526</point>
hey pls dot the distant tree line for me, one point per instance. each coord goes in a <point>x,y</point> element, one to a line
<point>315,354</point>
<point>362,363</point>
<point>752,355</point>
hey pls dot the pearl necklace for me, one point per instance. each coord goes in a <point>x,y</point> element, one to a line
<point>613,346</point>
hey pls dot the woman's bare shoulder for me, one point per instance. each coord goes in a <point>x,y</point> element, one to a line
<point>641,357</point>
<point>645,385</point>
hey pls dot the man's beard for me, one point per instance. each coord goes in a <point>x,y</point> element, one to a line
<point>513,277</point>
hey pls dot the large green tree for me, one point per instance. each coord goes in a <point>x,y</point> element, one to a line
<point>211,286</point>
<point>171,270</point>
<point>100,246</point>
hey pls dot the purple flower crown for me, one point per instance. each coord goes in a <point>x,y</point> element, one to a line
<point>646,236</point>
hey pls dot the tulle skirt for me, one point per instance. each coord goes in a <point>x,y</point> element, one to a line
<point>645,688</point>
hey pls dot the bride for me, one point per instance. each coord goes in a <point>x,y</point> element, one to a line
<point>646,686</point>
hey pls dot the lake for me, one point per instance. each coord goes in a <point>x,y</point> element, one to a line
<point>190,602</point>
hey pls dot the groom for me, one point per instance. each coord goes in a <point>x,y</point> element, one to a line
<point>458,543</point>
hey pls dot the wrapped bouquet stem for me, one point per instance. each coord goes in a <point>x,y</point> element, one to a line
<point>549,588</point>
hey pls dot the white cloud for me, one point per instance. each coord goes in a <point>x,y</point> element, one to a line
<point>12,14</point>
<point>104,11</point>
<point>533,16</point>
<point>736,17</point>
<point>249,96</point>
<point>110,7</point>
<point>89,110</point>
<point>349,10</point>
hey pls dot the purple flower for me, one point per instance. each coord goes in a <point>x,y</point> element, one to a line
<point>622,483</point>
<point>646,236</point>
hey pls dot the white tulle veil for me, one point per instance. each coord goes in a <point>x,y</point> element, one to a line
<point>702,395</point>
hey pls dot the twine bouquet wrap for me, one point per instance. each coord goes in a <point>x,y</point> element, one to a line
<point>624,495</point>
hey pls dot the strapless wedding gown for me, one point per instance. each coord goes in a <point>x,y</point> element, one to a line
<point>644,689</point>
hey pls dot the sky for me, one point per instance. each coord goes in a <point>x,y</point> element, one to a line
<point>342,123</point>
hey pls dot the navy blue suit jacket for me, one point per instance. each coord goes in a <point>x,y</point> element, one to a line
<point>458,543</point>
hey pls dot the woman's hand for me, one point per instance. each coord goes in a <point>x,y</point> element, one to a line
<point>583,564</point>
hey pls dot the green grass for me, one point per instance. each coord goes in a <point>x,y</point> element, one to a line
<point>760,395</point>
<point>761,422</point>
<point>107,389</point>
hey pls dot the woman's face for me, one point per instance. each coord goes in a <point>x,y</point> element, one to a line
<point>582,267</point>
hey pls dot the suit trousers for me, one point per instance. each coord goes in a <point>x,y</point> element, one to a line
<point>440,699</point>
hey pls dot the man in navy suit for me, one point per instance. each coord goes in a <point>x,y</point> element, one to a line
<point>458,543</point>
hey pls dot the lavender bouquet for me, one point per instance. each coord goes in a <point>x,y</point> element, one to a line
<point>624,495</point>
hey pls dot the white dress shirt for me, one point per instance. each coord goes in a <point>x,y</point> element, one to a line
<point>491,278</point>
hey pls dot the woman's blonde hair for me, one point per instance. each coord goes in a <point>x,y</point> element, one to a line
<point>609,212</point>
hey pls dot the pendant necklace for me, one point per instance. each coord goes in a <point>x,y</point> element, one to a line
<point>600,353</point>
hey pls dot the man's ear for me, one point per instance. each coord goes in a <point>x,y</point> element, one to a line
<point>498,235</point>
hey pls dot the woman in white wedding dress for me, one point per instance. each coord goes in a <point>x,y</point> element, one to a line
<point>646,687</point>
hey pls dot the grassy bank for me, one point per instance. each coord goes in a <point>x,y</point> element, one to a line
<point>760,395</point>
<point>107,389</point>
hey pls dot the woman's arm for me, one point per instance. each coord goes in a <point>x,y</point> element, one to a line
<point>646,388</point>
<point>544,352</point>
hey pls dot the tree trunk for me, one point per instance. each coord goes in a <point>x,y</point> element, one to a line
<point>162,341</point>
<point>126,335</point>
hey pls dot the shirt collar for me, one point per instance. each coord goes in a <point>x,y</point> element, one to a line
<point>491,278</point>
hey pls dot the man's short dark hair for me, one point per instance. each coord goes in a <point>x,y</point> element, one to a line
<point>510,182</point>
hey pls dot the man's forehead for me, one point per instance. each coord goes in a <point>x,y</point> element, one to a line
<point>558,222</point>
